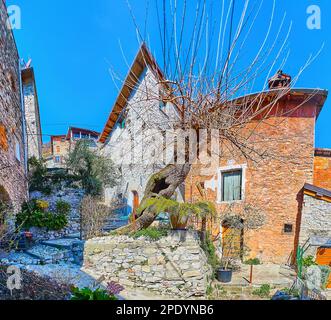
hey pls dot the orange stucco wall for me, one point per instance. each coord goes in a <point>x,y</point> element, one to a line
<point>322,172</point>
<point>272,185</point>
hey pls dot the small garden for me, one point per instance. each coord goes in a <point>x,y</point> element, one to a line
<point>36,213</point>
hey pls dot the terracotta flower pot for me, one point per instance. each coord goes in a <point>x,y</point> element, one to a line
<point>179,222</point>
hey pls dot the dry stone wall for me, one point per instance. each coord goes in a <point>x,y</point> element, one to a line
<point>175,265</point>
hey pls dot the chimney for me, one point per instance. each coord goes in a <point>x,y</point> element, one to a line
<point>280,80</point>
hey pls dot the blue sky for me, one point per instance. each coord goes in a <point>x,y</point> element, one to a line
<point>74,43</point>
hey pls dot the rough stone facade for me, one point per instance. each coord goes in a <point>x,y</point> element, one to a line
<point>315,219</point>
<point>174,265</point>
<point>32,114</point>
<point>13,182</point>
<point>271,185</point>
<point>136,145</point>
<point>322,170</point>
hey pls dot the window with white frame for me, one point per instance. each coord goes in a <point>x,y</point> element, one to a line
<point>231,183</point>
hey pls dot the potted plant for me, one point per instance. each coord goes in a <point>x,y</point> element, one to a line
<point>180,215</point>
<point>225,272</point>
<point>28,239</point>
<point>178,222</point>
<point>230,248</point>
<point>237,221</point>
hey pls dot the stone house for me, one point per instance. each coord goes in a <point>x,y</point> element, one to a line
<point>61,145</point>
<point>129,138</point>
<point>273,186</point>
<point>32,113</point>
<point>13,181</point>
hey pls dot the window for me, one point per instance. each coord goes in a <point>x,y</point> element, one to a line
<point>232,186</point>
<point>58,149</point>
<point>57,159</point>
<point>231,182</point>
<point>17,150</point>
<point>288,228</point>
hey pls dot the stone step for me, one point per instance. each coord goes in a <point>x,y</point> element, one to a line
<point>73,236</point>
<point>63,243</point>
<point>73,246</point>
<point>114,224</point>
<point>49,255</point>
<point>20,258</point>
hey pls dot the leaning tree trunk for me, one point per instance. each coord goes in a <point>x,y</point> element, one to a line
<point>161,184</point>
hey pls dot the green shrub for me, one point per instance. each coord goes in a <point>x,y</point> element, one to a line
<point>55,222</point>
<point>210,251</point>
<point>63,207</point>
<point>88,294</point>
<point>151,233</point>
<point>263,291</point>
<point>308,261</point>
<point>253,262</point>
<point>38,176</point>
<point>291,292</point>
<point>34,214</point>
<point>94,171</point>
<point>209,290</point>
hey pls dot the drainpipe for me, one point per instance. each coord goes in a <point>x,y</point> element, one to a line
<point>25,139</point>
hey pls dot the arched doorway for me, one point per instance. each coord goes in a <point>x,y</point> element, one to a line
<point>233,238</point>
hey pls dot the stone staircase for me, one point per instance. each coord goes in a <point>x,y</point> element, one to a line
<point>64,250</point>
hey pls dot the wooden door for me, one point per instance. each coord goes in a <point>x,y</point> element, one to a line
<point>135,201</point>
<point>231,243</point>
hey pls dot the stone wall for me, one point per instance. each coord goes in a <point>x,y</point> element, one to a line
<point>174,265</point>
<point>315,219</point>
<point>13,182</point>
